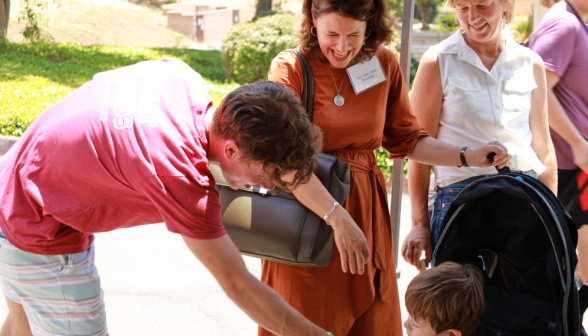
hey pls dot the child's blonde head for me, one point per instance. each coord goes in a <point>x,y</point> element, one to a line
<point>449,296</point>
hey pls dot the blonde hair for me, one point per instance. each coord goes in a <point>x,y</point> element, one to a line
<point>508,16</point>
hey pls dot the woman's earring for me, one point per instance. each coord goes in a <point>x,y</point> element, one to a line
<point>315,32</point>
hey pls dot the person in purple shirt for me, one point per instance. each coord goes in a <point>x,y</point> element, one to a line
<point>561,39</point>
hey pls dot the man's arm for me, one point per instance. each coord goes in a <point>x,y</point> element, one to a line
<point>539,125</point>
<point>561,123</point>
<point>261,303</point>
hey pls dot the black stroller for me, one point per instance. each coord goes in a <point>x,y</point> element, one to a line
<point>513,228</point>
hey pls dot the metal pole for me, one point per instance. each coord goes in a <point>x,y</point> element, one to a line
<point>397,172</point>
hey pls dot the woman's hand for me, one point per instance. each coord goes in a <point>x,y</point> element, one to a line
<point>350,241</point>
<point>349,238</point>
<point>477,157</point>
<point>417,240</point>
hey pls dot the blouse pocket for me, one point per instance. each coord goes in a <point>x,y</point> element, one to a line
<point>517,94</point>
<point>463,94</point>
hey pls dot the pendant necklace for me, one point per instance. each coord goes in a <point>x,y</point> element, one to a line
<point>338,100</point>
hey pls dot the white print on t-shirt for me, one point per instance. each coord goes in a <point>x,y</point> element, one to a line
<point>104,104</point>
<point>123,112</point>
<point>149,109</point>
<point>124,103</point>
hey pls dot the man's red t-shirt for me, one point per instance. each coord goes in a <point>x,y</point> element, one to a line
<point>128,148</point>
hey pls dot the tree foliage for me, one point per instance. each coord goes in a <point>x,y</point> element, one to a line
<point>397,6</point>
<point>33,18</point>
<point>426,9</point>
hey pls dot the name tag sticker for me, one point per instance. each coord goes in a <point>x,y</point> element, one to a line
<point>366,75</point>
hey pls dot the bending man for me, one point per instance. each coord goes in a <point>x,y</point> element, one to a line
<point>132,147</point>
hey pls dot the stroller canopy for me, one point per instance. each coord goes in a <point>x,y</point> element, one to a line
<point>513,228</point>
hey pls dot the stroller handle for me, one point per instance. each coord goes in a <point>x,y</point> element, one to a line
<point>490,158</point>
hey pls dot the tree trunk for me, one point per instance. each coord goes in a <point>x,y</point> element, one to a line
<point>262,6</point>
<point>4,17</point>
<point>425,8</point>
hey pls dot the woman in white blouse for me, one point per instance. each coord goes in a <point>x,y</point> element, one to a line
<point>477,86</point>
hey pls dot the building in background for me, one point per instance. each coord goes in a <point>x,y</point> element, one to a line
<point>203,23</point>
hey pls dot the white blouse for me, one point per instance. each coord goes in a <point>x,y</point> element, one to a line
<point>480,106</point>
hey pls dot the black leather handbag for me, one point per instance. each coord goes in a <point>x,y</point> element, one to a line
<point>274,225</point>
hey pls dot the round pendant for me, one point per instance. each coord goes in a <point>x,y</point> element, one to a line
<point>339,100</point>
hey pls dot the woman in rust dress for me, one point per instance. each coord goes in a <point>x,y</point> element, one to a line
<point>336,36</point>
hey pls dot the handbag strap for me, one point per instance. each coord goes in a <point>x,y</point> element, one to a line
<point>578,16</point>
<point>307,82</point>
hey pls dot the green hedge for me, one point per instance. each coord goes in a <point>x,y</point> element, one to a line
<point>248,48</point>
<point>35,76</point>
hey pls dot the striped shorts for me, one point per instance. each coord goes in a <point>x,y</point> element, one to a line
<point>60,294</point>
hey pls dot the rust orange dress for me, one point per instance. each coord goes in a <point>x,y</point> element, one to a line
<point>343,303</point>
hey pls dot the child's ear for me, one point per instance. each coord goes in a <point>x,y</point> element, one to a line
<point>453,332</point>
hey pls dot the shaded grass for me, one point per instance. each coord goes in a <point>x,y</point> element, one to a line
<point>35,76</point>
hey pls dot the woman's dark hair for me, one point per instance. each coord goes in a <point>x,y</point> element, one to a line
<point>269,125</point>
<point>374,12</point>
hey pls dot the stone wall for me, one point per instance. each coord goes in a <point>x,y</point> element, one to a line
<point>421,41</point>
<point>216,25</point>
<point>182,23</point>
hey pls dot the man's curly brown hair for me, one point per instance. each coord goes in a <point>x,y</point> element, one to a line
<point>269,125</point>
<point>374,12</point>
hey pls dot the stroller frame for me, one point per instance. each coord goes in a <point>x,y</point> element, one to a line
<point>565,258</point>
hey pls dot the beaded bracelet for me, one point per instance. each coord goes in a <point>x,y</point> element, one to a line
<point>329,334</point>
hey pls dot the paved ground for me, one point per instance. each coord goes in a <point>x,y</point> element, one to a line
<point>154,286</point>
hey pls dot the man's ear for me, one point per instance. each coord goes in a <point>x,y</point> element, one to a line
<point>231,150</point>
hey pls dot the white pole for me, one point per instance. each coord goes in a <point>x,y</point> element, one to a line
<point>397,172</point>
<point>536,18</point>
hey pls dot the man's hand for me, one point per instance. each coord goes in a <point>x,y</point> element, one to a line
<point>580,153</point>
<point>350,241</point>
<point>477,157</point>
<point>417,240</point>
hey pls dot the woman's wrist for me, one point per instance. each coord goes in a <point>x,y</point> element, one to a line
<point>421,223</point>
<point>336,217</point>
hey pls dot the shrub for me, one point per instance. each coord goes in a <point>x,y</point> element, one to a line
<point>263,14</point>
<point>34,76</point>
<point>31,15</point>
<point>522,28</point>
<point>386,164</point>
<point>447,22</point>
<point>248,48</point>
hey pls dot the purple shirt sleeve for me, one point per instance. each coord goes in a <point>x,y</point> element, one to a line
<point>560,34</point>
